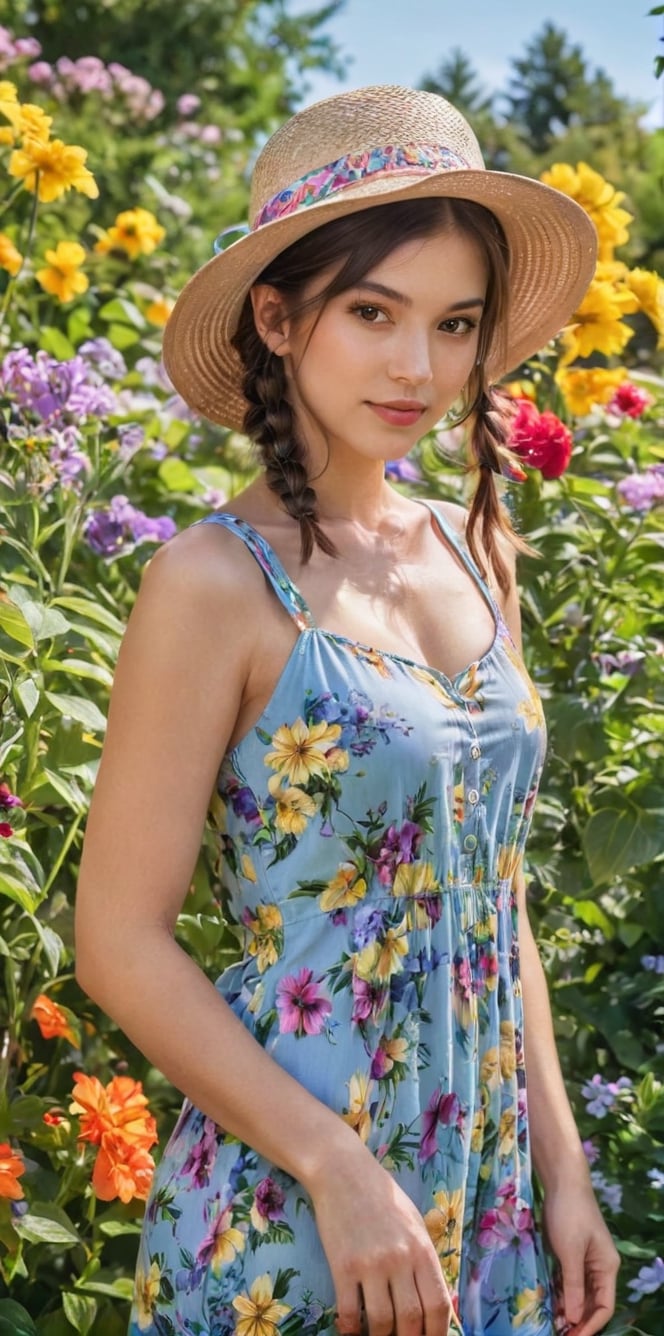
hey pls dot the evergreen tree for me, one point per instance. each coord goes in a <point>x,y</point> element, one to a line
<point>456,80</point>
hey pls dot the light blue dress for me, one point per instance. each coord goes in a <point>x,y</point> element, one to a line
<point>369,826</point>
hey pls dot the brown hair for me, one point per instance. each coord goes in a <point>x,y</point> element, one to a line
<point>359,241</point>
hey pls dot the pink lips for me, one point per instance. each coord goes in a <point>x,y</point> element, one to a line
<point>399,412</point>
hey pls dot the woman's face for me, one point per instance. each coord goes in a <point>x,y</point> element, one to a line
<point>383,362</point>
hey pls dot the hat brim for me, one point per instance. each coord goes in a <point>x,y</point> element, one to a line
<point>552,245</point>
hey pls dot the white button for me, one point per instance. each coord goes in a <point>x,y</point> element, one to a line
<point>473,796</point>
<point>475,751</point>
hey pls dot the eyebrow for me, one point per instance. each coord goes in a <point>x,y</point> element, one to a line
<point>400,297</point>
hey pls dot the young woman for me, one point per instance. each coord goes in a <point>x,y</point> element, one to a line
<point>330,673</point>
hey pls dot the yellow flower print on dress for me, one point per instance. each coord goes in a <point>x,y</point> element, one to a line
<point>444,1224</point>
<point>266,939</point>
<point>442,696</point>
<point>293,807</point>
<point>227,1240</point>
<point>531,708</point>
<point>360,1089</point>
<point>417,881</point>
<point>379,960</point>
<point>373,657</point>
<point>507,1134</point>
<point>507,1050</point>
<point>301,750</point>
<point>345,888</point>
<point>147,1292</point>
<point>509,861</point>
<point>530,1306</point>
<point>259,1311</point>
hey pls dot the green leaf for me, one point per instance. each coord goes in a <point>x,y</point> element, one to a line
<point>77,707</point>
<point>55,342</point>
<point>113,1228</point>
<point>621,834</point>
<point>42,1228</point>
<point>122,336</point>
<point>16,891</point>
<point>592,914</point>
<point>14,624</point>
<point>122,1288</point>
<point>177,476</point>
<point>14,1320</point>
<point>79,668</point>
<point>92,611</point>
<point>80,1310</point>
<point>28,694</point>
<point>120,311</point>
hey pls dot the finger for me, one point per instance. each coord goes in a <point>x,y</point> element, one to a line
<point>378,1307</point>
<point>348,1317</point>
<point>436,1301</point>
<point>574,1287</point>
<point>601,1308</point>
<point>406,1305</point>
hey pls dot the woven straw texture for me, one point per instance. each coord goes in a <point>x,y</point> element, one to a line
<point>552,241</point>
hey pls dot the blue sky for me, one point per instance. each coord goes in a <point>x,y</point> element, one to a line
<point>399,41</point>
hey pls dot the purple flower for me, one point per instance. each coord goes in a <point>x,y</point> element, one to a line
<point>399,846</point>
<point>269,1200</point>
<point>67,460</point>
<point>656,1178</point>
<point>443,1109</point>
<point>368,923</point>
<point>655,963</point>
<point>648,1280</point>
<point>55,391</point>
<point>591,1151</point>
<point>610,1194</point>
<point>403,470</point>
<point>104,534</point>
<point>601,1095</point>
<point>642,491</point>
<point>302,1007</point>
<point>40,73</point>
<point>199,1162</point>
<point>112,531</point>
<point>625,661</point>
<point>369,1000</point>
<point>101,354</point>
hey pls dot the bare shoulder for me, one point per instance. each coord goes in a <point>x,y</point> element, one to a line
<point>507,598</point>
<point>204,562</point>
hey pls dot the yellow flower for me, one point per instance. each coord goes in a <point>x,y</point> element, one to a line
<point>360,1089</point>
<point>584,387</point>
<point>506,1133</point>
<point>265,942</point>
<point>648,288</point>
<point>135,231</point>
<point>10,258</point>
<point>477,1134</point>
<point>490,1069</point>
<point>393,1050</point>
<point>444,1223</point>
<point>9,104</point>
<point>300,752</point>
<point>380,960</point>
<point>599,199</point>
<point>442,696</point>
<point>147,1293</point>
<point>344,889</point>
<point>159,311</point>
<point>416,880</point>
<point>520,389</point>
<point>597,323</point>
<point>529,1306</point>
<point>531,708</point>
<point>293,806</point>
<point>228,1241</point>
<point>259,1311</point>
<point>247,868</point>
<point>509,861</point>
<point>56,166</point>
<point>62,277</point>
<point>507,1050</point>
<point>34,123</point>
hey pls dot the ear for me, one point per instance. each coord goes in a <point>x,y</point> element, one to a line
<point>271,317</point>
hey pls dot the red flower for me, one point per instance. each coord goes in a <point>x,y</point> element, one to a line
<point>540,439</point>
<point>6,830</point>
<point>629,400</point>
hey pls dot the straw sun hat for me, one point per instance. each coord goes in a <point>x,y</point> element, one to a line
<point>352,151</point>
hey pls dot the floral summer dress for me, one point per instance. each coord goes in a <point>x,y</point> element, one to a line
<point>369,826</point>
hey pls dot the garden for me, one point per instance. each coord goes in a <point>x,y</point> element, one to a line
<point>113,186</point>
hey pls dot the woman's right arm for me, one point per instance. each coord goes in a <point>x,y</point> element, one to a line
<point>182,673</point>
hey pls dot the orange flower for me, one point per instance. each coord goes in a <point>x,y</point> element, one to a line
<point>11,1168</point>
<point>120,1107</point>
<point>122,1169</point>
<point>51,1019</point>
<point>10,258</point>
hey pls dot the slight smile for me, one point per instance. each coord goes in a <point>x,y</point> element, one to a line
<point>400,412</point>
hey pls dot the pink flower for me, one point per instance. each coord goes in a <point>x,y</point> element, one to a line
<point>629,401</point>
<point>540,439</point>
<point>369,1000</point>
<point>188,104</point>
<point>508,1224</point>
<point>6,830</point>
<point>302,1008</point>
<point>9,799</point>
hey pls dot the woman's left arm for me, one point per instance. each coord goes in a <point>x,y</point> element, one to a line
<point>574,1226</point>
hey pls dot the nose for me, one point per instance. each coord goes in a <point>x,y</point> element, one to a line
<point>410,358</point>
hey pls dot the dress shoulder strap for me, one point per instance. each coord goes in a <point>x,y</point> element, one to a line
<point>286,591</point>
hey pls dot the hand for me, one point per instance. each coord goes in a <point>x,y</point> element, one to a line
<point>589,1261</point>
<point>379,1253</point>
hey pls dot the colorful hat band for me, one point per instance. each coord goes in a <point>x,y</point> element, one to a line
<point>412,159</point>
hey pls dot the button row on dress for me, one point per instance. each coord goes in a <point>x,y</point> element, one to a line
<point>473,797</point>
<point>475,751</point>
<point>470,843</point>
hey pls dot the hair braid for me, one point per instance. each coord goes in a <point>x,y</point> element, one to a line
<point>489,448</point>
<point>270,423</point>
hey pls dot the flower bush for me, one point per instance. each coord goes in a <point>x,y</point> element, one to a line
<point>99,461</point>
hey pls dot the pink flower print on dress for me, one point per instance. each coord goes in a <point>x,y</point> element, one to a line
<point>302,1007</point>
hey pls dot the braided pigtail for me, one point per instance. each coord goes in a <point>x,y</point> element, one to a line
<point>270,423</point>
<point>491,456</point>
